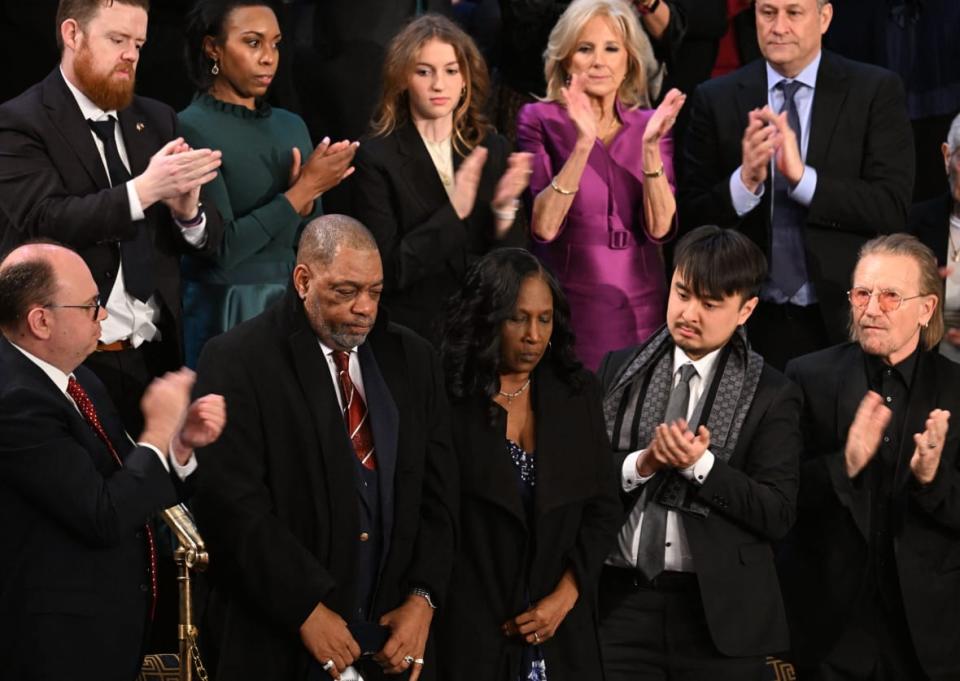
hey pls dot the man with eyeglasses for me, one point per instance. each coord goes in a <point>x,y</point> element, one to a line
<point>78,575</point>
<point>871,573</point>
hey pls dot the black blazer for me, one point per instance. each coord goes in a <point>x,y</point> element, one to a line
<point>861,146</point>
<point>74,579</point>
<point>426,248</point>
<point>505,563</point>
<point>753,503</point>
<point>53,184</point>
<point>828,557</point>
<point>276,495</point>
<point>930,222</point>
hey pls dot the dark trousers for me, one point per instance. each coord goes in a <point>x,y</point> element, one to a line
<point>781,332</point>
<point>658,632</point>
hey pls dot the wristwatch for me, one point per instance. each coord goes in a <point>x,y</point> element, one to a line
<point>424,594</point>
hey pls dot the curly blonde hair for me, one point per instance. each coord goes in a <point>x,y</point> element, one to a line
<point>633,91</point>
<point>470,125</point>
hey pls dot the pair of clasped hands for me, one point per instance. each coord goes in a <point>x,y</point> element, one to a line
<point>769,136</point>
<point>866,432</point>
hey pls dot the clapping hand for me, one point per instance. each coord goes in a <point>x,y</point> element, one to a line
<point>863,438</point>
<point>929,446</point>
<point>513,181</point>
<point>579,109</point>
<point>662,120</point>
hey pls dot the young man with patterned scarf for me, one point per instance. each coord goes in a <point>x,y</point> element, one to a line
<point>708,441</point>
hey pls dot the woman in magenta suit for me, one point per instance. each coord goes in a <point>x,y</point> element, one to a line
<point>602,187</point>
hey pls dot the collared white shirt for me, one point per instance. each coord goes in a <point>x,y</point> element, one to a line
<point>677,555</point>
<point>128,318</point>
<point>61,380</point>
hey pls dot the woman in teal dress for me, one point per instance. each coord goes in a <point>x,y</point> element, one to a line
<point>271,178</point>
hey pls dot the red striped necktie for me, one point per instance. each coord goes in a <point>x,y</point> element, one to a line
<point>85,405</point>
<point>355,412</point>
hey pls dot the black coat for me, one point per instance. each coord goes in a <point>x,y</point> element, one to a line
<point>505,563</point>
<point>74,578</point>
<point>861,146</point>
<point>53,184</point>
<point>426,248</point>
<point>829,557</point>
<point>276,495</point>
<point>753,503</point>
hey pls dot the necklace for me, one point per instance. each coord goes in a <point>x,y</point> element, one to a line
<point>512,396</point>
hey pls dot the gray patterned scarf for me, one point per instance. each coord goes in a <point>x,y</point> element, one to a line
<point>637,399</point>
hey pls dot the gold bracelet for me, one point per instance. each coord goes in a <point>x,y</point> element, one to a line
<point>656,173</point>
<point>560,190</point>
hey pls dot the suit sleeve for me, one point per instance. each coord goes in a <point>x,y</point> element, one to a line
<point>254,548</point>
<point>412,254</point>
<point>762,493</point>
<point>41,459</point>
<point>436,540</point>
<point>531,138</point>
<point>878,199</point>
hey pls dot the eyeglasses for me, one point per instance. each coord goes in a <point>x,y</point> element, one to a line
<point>92,306</point>
<point>888,299</point>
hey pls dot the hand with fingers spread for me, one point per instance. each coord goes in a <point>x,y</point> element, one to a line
<point>202,425</point>
<point>758,146</point>
<point>466,180</point>
<point>929,446</point>
<point>539,623</point>
<point>664,117</point>
<point>675,446</point>
<point>409,629</point>
<point>863,438</point>
<point>175,175</point>
<point>326,167</point>
<point>579,109</point>
<point>325,636</point>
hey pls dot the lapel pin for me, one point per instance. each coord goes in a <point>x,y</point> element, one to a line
<point>140,126</point>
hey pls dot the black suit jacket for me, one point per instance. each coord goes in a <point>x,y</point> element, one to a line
<point>753,503</point>
<point>930,222</point>
<point>276,495</point>
<point>861,146</point>
<point>827,561</point>
<point>426,248</point>
<point>53,184</point>
<point>74,579</point>
<point>505,562</point>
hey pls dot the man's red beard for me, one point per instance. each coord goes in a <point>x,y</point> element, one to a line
<point>104,91</point>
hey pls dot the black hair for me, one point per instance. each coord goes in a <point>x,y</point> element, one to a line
<point>207,18</point>
<point>22,286</point>
<point>470,345</point>
<point>715,263</point>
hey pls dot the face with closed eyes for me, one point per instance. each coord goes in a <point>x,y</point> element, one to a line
<point>436,82</point>
<point>525,334</point>
<point>600,55</point>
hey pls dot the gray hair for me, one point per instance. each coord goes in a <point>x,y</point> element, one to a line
<point>325,235</point>
<point>953,137</point>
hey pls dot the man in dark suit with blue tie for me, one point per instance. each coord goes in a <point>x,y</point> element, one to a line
<point>78,579</point>
<point>810,155</point>
<point>330,499</point>
<point>91,165</point>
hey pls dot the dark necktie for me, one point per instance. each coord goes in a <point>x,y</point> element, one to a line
<point>85,405</point>
<point>355,413</point>
<point>788,259</point>
<point>136,254</point>
<point>653,529</point>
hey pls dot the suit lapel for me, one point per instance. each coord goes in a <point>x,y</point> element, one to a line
<point>137,143</point>
<point>73,129</point>
<point>424,182</point>
<point>828,101</point>
<point>385,424</point>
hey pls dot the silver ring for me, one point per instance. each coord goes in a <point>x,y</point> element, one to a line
<point>419,660</point>
<point>408,659</point>
<point>328,665</point>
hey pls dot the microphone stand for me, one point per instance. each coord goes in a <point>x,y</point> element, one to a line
<point>190,554</point>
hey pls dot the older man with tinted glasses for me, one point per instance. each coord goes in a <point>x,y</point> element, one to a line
<point>871,571</point>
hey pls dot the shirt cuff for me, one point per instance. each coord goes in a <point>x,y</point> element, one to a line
<point>743,199</point>
<point>630,478</point>
<point>196,235</point>
<point>803,192</point>
<point>698,472</point>
<point>160,455</point>
<point>186,469</point>
<point>136,208</point>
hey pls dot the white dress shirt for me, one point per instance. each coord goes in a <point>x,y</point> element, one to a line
<point>128,318</point>
<point>61,380</point>
<point>677,555</point>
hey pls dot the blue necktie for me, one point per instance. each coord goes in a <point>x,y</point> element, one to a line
<point>788,259</point>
